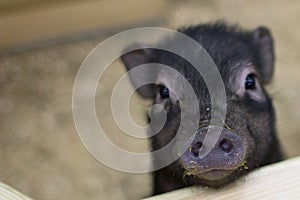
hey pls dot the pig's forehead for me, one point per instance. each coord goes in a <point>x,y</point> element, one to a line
<point>176,78</point>
<point>224,49</point>
<point>172,78</point>
<point>233,69</point>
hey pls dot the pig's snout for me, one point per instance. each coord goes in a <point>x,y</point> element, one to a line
<point>215,157</point>
<point>226,143</point>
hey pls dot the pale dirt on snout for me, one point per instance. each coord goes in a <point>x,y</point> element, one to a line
<point>40,152</point>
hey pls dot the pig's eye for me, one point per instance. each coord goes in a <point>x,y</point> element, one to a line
<point>250,82</point>
<point>163,91</point>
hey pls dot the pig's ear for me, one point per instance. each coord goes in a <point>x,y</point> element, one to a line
<point>135,58</point>
<point>262,42</point>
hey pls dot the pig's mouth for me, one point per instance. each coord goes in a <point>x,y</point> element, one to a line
<point>213,177</point>
<point>211,174</point>
<point>203,172</point>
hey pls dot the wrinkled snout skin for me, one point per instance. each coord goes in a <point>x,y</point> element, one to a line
<point>247,138</point>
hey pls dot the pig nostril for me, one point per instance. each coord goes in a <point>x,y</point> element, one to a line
<point>226,145</point>
<point>196,148</point>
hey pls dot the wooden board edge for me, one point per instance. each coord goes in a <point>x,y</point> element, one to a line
<point>7,192</point>
<point>277,181</point>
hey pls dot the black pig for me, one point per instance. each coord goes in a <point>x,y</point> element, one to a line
<point>248,139</point>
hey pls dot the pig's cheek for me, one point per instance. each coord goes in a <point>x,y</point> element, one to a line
<point>167,104</point>
<point>249,144</point>
<point>244,132</point>
<point>257,95</point>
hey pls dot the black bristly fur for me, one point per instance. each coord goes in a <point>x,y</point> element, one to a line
<point>252,120</point>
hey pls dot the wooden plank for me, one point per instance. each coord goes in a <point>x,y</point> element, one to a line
<point>8,193</point>
<point>276,181</point>
<point>47,21</point>
<point>10,6</point>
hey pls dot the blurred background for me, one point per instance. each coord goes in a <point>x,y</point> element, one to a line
<point>43,43</point>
